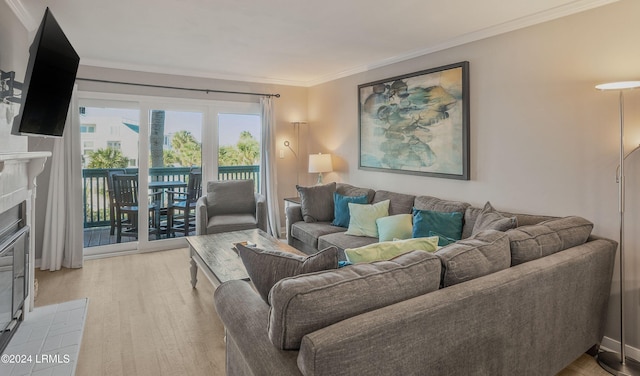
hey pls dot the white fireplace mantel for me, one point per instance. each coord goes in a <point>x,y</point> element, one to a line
<point>18,172</point>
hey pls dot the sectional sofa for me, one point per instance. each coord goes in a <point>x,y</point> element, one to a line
<point>527,301</point>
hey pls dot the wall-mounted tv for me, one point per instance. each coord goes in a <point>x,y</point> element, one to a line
<point>48,84</point>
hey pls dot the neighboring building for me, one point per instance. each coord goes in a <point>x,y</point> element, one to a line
<point>101,132</point>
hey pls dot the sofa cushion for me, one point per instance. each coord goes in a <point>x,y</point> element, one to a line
<point>439,205</point>
<point>343,241</point>
<point>472,213</point>
<point>317,202</point>
<point>484,253</point>
<point>231,222</point>
<point>341,208</point>
<point>388,250</point>
<point>350,190</point>
<point>309,233</point>
<point>548,237</point>
<point>230,197</point>
<point>399,226</point>
<point>306,303</point>
<point>399,203</point>
<point>267,267</point>
<point>447,224</point>
<point>490,219</point>
<point>362,221</point>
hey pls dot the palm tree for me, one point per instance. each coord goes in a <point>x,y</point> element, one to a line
<point>186,149</point>
<point>156,138</point>
<point>107,158</point>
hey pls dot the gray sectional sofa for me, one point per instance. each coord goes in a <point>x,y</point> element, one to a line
<point>309,237</point>
<point>527,301</point>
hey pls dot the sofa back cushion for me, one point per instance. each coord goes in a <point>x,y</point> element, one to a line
<point>472,213</point>
<point>306,303</point>
<point>350,190</point>
<point>399,203</point>
<point>535,241</point>
<point>316,202</point>
<point>484,253</point>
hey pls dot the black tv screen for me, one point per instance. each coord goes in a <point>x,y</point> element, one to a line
<point>48,85</point>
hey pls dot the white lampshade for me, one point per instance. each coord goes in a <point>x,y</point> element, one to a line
<point>319,163</point>
<point>622,85</point>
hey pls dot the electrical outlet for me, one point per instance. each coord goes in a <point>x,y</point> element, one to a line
<point>281,154</point>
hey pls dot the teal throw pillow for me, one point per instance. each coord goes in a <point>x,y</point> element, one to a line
<point>362,221</point>
<point>341,208</point>
<point>442,240</point>
<point>446,224</point>
<point>393,227</point>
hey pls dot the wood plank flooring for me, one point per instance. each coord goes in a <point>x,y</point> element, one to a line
<point>145,319</point>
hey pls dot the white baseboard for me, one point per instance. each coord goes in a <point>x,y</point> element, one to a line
<point>612,345</point>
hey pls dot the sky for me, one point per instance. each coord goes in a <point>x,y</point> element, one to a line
<point>230,125</point>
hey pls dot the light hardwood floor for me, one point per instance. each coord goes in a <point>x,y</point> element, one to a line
<point>145,319</point>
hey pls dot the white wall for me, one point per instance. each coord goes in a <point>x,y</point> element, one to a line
<point>543,140</point>
<point>14,54</point>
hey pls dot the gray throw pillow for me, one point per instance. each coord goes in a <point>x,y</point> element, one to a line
<point>533,242</point>
<point>490,219</point>
<point>267,267</point>
<point>483,253</point>
<point>303,304</point>
<point>317,202</point>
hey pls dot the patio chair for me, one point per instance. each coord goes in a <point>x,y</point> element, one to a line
<point>112,197</point>
<point>181,207</point>
<point>230,205</point>
<point>125,188</point>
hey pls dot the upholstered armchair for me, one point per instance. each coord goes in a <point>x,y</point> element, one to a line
<point>230,205</point>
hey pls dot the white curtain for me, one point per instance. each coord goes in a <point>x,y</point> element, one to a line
<point>268,175</point>
<point>62,243</point>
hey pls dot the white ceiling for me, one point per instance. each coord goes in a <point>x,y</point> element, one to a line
<point>294,42</point>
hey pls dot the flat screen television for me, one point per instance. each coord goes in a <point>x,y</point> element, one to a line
<point>48,84</point>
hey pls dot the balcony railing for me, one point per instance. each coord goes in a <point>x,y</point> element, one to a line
<point>96,196</point>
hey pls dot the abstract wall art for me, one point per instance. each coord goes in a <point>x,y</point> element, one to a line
<point>417,123</point>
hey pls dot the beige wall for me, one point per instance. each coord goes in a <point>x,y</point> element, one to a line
<point>543,140</point>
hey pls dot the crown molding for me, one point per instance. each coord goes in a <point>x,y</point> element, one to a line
<point>188,72</point>
<point>548,15</point>
<point>23,15</point>
<point>520,23</point>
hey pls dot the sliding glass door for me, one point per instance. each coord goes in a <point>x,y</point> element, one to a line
<point>175,171</point>
<point>165,151</point>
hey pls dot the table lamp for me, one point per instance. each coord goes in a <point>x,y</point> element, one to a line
<point>319,163</point>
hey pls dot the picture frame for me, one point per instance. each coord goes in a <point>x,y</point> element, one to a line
<point>417,123</point>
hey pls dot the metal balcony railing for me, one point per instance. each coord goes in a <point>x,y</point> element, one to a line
<point>96,196</point>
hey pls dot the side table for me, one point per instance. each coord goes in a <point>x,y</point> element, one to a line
<point>289,201</point>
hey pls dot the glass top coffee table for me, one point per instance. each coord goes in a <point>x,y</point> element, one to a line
<point>215,254</point>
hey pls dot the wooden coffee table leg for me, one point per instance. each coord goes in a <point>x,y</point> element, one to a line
<point>194,270</point>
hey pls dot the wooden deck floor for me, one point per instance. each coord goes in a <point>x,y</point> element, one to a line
<point>100,236</point>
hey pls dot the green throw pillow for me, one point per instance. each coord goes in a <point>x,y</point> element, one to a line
<point>341,208</point>
<point>388,250</point>
<point>397,226</point>
<point>363,218</point>
<point>446,224</point>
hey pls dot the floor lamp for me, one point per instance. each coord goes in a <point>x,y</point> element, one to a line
<point>619,364</point>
